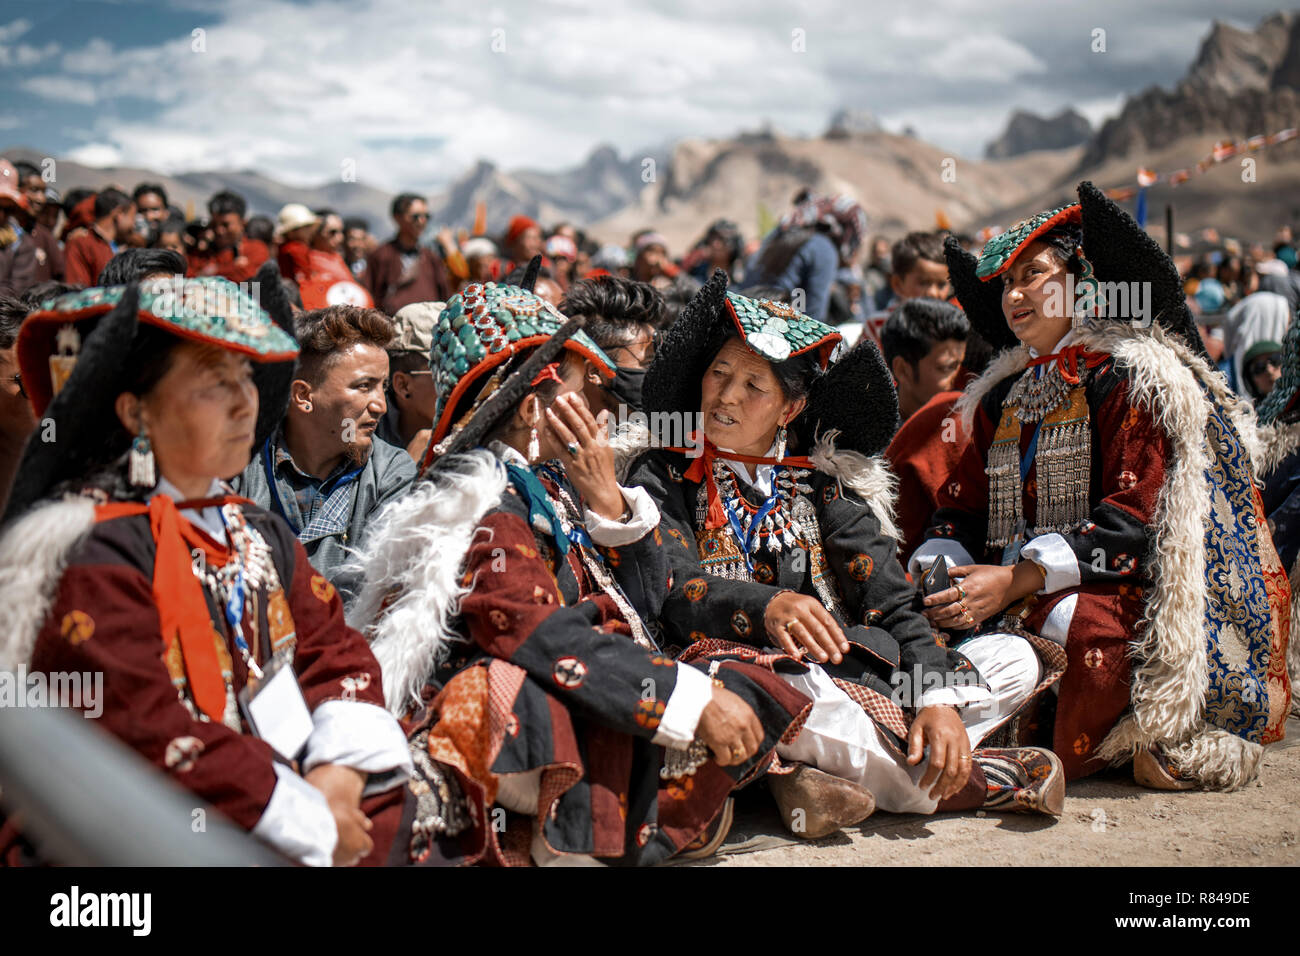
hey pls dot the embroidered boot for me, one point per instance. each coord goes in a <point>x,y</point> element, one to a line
<point>814,804</point>
<point>1151,769</point>
<point>1022,779</point>
<point>711,837</point>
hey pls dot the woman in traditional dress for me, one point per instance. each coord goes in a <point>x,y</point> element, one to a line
<point>504,598</point>
<point>1278,467</point>
<point>783,552</point>
<point>1106,503</point>
<point>126,556</point>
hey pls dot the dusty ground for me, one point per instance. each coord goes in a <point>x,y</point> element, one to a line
<point>1107,820</point>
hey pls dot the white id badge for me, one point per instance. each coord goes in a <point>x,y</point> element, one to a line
<point>276,710</point>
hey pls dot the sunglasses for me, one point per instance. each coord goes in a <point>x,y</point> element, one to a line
<point>1263,363</point>
<point>419,216</point>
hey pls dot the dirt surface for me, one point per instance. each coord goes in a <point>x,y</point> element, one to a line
<point>1108,820</point>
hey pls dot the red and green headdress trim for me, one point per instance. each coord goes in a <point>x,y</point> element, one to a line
<point>1002,250</point>
<point>210,310</point>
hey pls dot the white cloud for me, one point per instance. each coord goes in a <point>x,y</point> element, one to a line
<point>96,57</point>
<point>1099,110</point>
<point>63,88</point>
<point>22,55</point>
<point>293,89</point>
<point>25,55</point>
<point>982,57</point>
<point>96,154</point>
<point>12,31</point>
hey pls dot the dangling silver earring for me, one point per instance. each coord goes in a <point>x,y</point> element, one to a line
<point>534,444</point>
<point>141,471</point>
<point>780,443</point>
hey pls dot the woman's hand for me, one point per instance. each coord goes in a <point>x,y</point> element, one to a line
<point>981,591</point>
<point>730,728</point>
<point>587,456</point>
<point>939,728</point>
<point>798,623</point>
<point>342,787</point>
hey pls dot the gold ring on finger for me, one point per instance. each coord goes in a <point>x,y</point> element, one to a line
<point>961,593</point>
<point>789,625</point>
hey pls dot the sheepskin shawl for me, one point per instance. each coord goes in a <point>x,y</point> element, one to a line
<point>1170,663</point>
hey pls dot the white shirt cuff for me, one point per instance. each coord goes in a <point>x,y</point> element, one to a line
<point>1051,553</point>
<point>956,696</point>
<point>692,693</point>
<point>360,735</point>
<point>297,820</point>
<point>615,534</point>
<point>924,556</point>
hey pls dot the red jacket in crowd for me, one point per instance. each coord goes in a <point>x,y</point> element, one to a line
<point>392,286</point>
<point>238,264</point>
<point>85,256</point>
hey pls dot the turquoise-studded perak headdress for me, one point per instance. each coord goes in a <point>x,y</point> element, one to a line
<point>484,326</point>
<point>210,310</point>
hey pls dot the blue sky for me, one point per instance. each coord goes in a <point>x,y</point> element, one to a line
<point>412,93</point>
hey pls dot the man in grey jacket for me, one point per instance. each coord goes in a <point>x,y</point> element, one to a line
<point>323,470</point>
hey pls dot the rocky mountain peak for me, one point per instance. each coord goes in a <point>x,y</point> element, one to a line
<point>1026,132</point>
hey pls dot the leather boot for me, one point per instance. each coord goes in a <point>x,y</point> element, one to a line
<point>1023,779</point>
<point>711,837</point>
<point>814,804</point>
<point>1151,769</point>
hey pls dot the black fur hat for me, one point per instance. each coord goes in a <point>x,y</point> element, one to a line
<point>273,379</point>
<point>1118,249</point>
<point>857,398</point>
<point>75,436</point>
<point>854,395</point>
<point>78,433</point>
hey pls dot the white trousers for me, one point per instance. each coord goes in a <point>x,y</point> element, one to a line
<point>520,792</point>
<point>839,738</point>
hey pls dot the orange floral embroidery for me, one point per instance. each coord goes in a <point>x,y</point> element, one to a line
<point>77,627</point>
<point>1082,744</point>
<point>649,713</point>
<point>526,550</point>
<point>322,588</point>
<point>680,788</point>
<point>860,566</point>
<point>695,588</point>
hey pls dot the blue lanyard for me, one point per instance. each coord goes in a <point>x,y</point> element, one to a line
<point>539,508</point>
<point>746,540</point>
<point>234,607</point>
<point>269,467</point>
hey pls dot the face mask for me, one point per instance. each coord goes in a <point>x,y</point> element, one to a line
<point>626,386</point>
